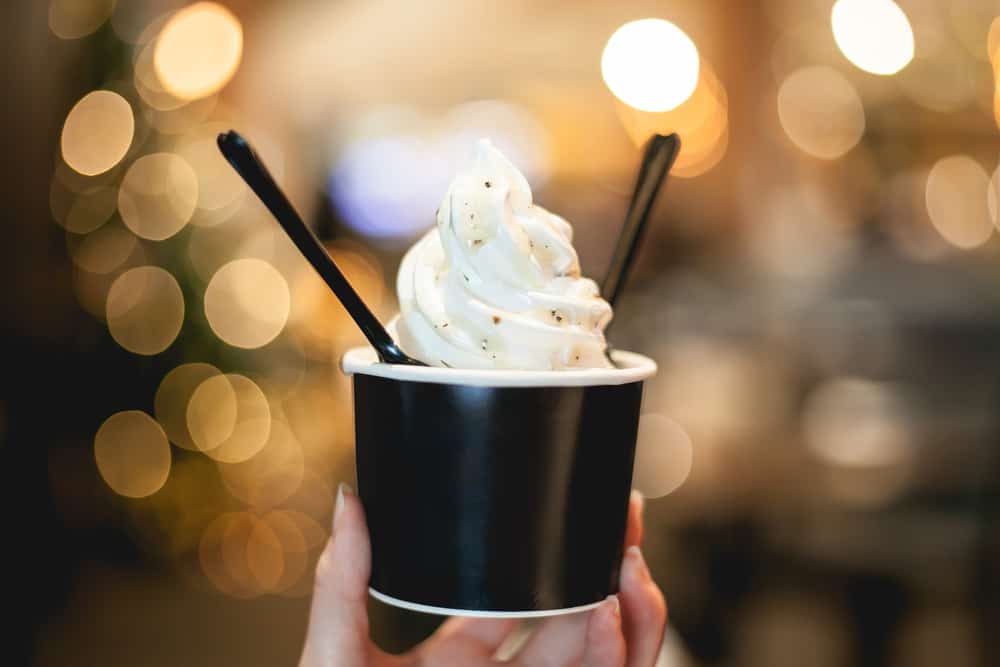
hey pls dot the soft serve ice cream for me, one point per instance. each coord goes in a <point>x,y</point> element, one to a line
<point>497,284</point>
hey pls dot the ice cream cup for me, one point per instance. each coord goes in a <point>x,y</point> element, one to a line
<point>495,492</point>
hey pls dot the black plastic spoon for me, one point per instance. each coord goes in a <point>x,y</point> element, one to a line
<point>661,151</point>
<point>248,165</point>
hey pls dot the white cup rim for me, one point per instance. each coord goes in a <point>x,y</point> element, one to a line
<point>632,367</point>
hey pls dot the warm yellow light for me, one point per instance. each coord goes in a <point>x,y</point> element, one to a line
<point>218,183</point>
<point>314,537</point>
<point>320,320</point>
<point>91,289</point>
<point>651,65</point>
<point>145,310</point>
<point>97,133</point>
<point>314,496</point>
<point>701,121</point>
<point>102,250</point>
<point>663,456</point>
<point>132,453</point>
<point>72,19</point>
<point>173,395</point>
<point>198,50</point>
<point>211,412</point>
<point>285,528</point>
<point>957,198</point>
<point>158,196</point>
<point>856,423</point>
<point>272,474</point>
<point>181,120</point>
<point>229,418</point>
<point>147,83</point>
<point>821,112</point>
<point>247,303</point>
<point>91,209</point>
<point>245,555</point>
<point>993,42</point>
<point>875,35</point>
<point>265,556</point>
<point>222,553</point>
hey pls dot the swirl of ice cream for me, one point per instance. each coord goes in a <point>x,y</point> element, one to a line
<point>497,283</point>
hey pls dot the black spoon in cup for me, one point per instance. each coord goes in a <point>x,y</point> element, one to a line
<point>661,152</point>
<point>249,166</point>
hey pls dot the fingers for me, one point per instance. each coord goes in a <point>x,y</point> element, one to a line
<point>338,620</point>
<point>558,642</point>
<point>644,610</point>
<point>466,641</point>
<point>605,643</point>
<point>633,528</point>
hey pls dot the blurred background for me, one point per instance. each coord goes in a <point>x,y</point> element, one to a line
<point>819,287</point>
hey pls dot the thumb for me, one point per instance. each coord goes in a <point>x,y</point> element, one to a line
<point>338,619</point>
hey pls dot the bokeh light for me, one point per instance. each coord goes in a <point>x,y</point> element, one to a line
<point>265,555</point>
<point>942,77</point>
<point>145,310</point>
<point>198,50</point>
<point>874,35</point>
<point>223,556</point>
<point>144,77</point>
<point>285,529</point>
<point>856,423</point>
<point>218,183</point>
<point>702,122</point>
<point>102,250</point>
<point>97,133</point>
<point>247,303</point>
<point>183,119</point>
<point>904,210</point>
<point>650,64</point>
<point>91,289</point>
<point>245,555</point>
<point>132,453</point>
<point>821,112</point>
<point>229,418</point>
<point>173,395</point>
<point>663,456</point>
<point>957,199</point>
<point>91,209</point>
<point>271,475</point>
<point>314,496</point>
<point>800,232</point>
<point>73,19</point>
<point>158,196</point>
<point>319,321</point>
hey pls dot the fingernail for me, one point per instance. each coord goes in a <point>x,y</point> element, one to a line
<point>635,554</point>
<point>338,507</point>
<point>616,607</point>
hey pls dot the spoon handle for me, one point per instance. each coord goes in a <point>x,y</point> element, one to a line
<point>248,165</point>
<point>660,154</point>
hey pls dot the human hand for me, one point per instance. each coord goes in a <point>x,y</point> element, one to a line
<point>624,631</point>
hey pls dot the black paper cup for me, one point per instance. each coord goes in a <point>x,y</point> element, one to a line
<point>495,492</point>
